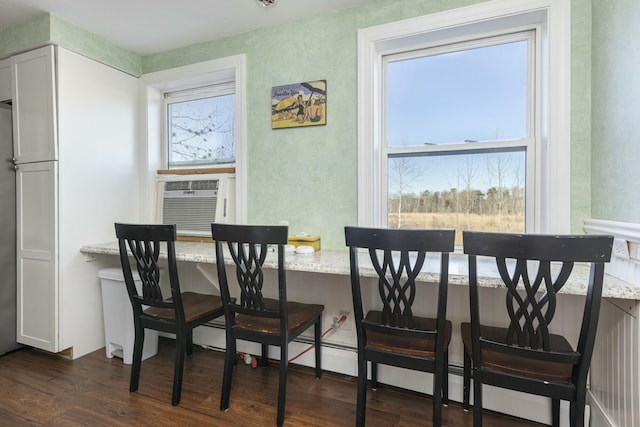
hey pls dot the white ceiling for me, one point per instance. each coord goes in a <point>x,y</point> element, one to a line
<point>151,26</point>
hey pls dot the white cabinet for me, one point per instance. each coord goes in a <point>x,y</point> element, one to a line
<point>34,99</point>
<point>37,296</point>
<point>77,174</point>
<point>34,148</point>
<point>5,80</point>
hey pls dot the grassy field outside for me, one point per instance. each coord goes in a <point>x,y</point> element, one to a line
<point>512,223</point>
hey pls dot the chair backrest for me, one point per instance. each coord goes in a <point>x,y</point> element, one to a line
<point>398,256</point>
<point>143,242</point>
<point>534,268</point>
<point>249,245</point>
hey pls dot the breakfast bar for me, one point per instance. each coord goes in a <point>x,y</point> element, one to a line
<point>323,277</point>
<point>336,262</point>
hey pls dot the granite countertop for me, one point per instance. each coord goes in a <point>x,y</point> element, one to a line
<point>337,262</point>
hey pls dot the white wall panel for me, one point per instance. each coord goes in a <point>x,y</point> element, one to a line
<point>615,367</point>
<point>98,183</point>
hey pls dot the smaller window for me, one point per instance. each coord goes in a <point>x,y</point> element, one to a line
<point>200,126</point>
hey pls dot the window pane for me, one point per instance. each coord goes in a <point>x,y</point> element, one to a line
<point>202,131</point>
<point>466,191</point>
<point>476,94</point>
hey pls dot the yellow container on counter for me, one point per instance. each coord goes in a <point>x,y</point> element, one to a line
<point>313,241</point>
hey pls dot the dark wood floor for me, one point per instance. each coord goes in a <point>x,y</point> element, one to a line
<point>42,389</point>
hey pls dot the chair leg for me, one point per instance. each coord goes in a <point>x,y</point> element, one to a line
<point>178,368</point>
<point>318,344</point>
<point>577,410</point>
<point>361,405</point>
<point>229,362</point>
<point>437,391</point>
<point>466,381</point>
<point>555,412</point>
<point>374,376</point>
<point>477,399</point>
<point>189,342</point>
<point>282,385</point>
<point>264,360</point>
<point>445,379</point>
<point>136,363</point>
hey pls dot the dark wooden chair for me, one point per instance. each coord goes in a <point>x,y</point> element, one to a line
<point>525,355</point>
<point>256,318</point>
<point>179,313</point>
<point>394,335</point>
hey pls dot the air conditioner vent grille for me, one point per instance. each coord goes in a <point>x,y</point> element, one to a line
<point>177,185</point>
<point>195,214</point>
<point>211,184</point>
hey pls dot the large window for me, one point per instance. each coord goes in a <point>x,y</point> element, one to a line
<point>457,126</point>
<point>464,119</point>
<point>200,126</point>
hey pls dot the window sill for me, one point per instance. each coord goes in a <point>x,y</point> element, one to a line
<point>196,171</point>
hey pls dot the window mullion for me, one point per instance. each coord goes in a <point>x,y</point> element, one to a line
<point>466,148</point>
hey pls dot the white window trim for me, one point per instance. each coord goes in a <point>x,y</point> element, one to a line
<point>552,201</point>
<point>153,85</point>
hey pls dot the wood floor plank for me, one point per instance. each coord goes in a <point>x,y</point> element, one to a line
<point>40,389</point>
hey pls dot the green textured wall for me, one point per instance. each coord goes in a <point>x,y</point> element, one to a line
<point>84,42</point>
<point>616,111</point>
<point>49,29</point>
<point>308,175</point>
<point>25,37</point>
<point>580,113</point>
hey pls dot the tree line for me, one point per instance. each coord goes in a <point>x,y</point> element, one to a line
<point>494,201</point>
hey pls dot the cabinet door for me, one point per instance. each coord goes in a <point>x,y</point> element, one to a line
<point>34,119</point>
<point>37,240</point>
<point>5,80</point>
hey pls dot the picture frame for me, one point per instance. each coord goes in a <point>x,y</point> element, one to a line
<point>299,104</point>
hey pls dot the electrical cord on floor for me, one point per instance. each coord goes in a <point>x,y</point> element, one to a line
<point>252,360</point>
<point>340,321</point>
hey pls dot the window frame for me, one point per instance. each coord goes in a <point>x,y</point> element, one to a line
<point>551,19</point>
<point>152,152</point>
<point>528,143</point>
<point>192,93</point>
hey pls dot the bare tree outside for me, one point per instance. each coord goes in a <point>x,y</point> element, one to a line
<point>403,172</point>
<point>484,192</point>
<point>467,175</point>
<point>202,131</point>
<point>496,169</point>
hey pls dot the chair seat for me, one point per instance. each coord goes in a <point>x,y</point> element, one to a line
<point>195,307</point>
<point>299,315</point>
<point>418,346</point>
<point>539,369</point>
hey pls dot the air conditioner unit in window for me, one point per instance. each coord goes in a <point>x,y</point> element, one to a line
<point>192,203</point>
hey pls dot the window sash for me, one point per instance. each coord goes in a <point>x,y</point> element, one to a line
<point>194,93</point>
<point>199,92</point>
<point>529,144</point>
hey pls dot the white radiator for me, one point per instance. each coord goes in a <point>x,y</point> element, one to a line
<point>615,375</point>
<point>615,367</point>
